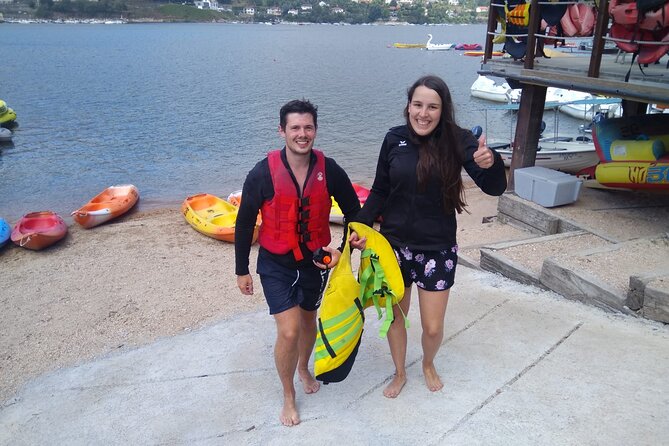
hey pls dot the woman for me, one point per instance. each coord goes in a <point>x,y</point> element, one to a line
<point>418,190</point>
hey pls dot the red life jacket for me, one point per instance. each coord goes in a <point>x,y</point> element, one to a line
<point>288,219</point>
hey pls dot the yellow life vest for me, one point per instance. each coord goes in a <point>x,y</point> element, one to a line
<point>519,15</point>
<point>342,317</point>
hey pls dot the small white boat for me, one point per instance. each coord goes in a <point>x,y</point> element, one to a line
<point>657,108</point>
<point>576,104</point>
<point>553,96</point>
<point>437,46</point>
<point>5,135</point>
<point>569,155</point>
<point>486,88</point>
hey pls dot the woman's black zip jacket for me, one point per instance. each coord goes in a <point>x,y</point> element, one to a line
<point>414,219</point>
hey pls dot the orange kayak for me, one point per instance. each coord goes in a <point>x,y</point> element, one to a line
<point>481,53</point>
<point>38,230</point>
<point>108,204</point>
<point>213,217</point>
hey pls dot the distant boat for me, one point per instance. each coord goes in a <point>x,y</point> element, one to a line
<point>481,53</point>
<point>7,115</point>
<point>437,46</point>
<point>409,45</point>
<point>577,104</point>
<point>5,135</point>
<point>468,47</point>
<point>486,88</point>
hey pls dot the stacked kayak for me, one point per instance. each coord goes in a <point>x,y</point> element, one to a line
<point>336,214</point>
<point>5,230</point>
<point>213,217</point>
<point>37,230</point>
<point>108,204</point>
<point>7,115</point>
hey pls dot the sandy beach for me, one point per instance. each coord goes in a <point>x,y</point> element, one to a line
<point>127,283</point>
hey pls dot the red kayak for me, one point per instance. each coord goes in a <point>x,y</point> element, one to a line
<point>468,46</point>
<point>38,230</point>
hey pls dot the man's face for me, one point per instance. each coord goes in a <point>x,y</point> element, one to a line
<point>300,133</point>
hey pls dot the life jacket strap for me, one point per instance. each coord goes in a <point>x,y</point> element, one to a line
<point>374,287</point>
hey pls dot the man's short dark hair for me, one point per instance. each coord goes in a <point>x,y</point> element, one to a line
<point>298,106</point>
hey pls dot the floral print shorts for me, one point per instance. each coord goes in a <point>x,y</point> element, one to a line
<point>429,270</point>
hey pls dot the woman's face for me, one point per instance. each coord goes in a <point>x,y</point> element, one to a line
<point>424,110</point>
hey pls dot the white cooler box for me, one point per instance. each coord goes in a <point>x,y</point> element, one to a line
<point>546,187</point>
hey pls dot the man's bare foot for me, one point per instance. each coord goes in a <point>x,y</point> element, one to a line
<point>395,387</point>
<point>432,379</point>
<point>289,416</point>
<point>309,384</point>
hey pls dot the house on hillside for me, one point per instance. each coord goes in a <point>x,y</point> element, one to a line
<point>206,4</point>
<point>274,10</point>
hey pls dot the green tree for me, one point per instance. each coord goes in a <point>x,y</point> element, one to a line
<point>375,13</point>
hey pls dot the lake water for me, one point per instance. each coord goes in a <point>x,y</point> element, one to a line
<point>179,109</point>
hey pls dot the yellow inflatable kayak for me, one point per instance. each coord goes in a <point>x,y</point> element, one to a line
<point>213,217</point>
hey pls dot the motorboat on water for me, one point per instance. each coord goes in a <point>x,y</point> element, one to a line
<point>437,46</point>
<point>486,88</point>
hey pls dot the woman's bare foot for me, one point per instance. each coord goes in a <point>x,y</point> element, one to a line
<point>432,379</point>
<point>309,384</point>
<point>289,416</point>
<point>395,387</point>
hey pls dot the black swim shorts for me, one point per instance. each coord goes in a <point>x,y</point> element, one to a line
<point>285,288</point>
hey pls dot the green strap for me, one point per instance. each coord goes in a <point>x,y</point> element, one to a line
<point>365,278</point>
<point>375,276</point>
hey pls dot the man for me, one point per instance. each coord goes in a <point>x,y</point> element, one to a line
<point>292,187</point>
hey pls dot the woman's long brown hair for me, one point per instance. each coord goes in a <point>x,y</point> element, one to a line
<point>439,154</point>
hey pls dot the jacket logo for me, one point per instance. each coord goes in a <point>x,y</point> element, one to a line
<point>402,144</point>
<point>319,176</point>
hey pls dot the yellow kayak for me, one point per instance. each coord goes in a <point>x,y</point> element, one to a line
<point>213,217</point>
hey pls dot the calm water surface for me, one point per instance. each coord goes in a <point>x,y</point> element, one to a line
<point>179,109</point>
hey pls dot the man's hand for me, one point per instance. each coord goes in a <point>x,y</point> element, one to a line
<point>245,284</point>
<point>483,156</point>
<point>334,255</point>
